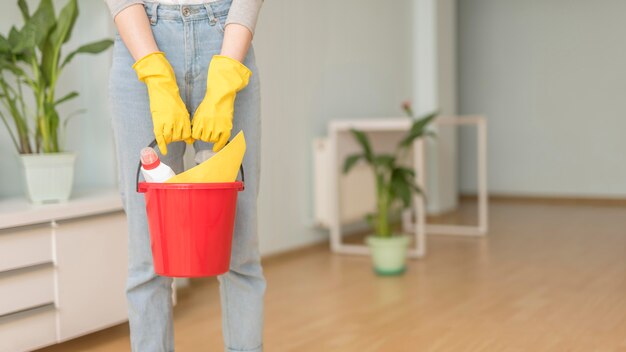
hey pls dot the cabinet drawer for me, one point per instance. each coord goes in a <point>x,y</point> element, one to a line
<point>26,288</point>
<point>29,330</point>
<point>24,246</point>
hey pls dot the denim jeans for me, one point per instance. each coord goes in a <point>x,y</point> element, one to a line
<point>189,36</point>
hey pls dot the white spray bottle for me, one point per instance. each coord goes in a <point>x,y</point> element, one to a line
<point>152,169</point>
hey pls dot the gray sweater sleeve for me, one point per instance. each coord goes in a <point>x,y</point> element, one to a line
<point>243,12</point>
<point>116,6</point>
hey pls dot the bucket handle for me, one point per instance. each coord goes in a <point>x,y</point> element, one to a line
<point>152,145</point>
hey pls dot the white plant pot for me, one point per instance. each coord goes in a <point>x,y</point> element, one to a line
<point>49,177</point>
<point>389,254</point>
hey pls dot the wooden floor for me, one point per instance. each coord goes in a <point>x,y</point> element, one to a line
<point>549,277</point>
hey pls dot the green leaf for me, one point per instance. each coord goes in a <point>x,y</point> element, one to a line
<point>72,116</point>
<point>9,65</point>
<point>350,162</point>
<point>51,50</point>
<point>417,129</point>
<point>403,184</point>
<point>409,176</point>
<point>23,9</point>
<point>5,47</point>
<point>65,23</point>
<point>401,189</point>
<point>385,160</point>
<point>14,37</point>
<point>406,172</point>
<point>362,139</point>
<point>37,28</point>
<point>48,60</point>
<point>416,188</point>
<point>91,48</point>
<point>65,98</point>
<point>425,120</point>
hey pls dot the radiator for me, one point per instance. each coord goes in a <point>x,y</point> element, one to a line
<point>357,190</point>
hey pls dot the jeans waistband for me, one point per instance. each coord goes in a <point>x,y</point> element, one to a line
<point>209,10</point>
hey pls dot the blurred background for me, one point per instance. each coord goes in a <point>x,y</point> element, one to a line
<point>543,271</point>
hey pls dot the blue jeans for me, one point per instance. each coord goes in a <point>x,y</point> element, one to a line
<point>189,36</point>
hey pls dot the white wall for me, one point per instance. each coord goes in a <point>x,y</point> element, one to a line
<point>317,59</point>
<point>89,134</point>
<point>320,60</point>
<point>550,77</point>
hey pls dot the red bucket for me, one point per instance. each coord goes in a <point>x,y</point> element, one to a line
<point>191,226</point>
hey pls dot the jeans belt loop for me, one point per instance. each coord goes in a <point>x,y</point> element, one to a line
<point>154,18</point>
<point>209,11</point>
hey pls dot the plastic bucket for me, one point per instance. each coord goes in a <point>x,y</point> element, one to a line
<point>191,226</point>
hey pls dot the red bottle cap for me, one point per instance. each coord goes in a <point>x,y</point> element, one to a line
<point>149,158</point>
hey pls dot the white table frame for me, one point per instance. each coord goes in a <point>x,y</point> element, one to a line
<point>483,210</point>
<point>419,225</point>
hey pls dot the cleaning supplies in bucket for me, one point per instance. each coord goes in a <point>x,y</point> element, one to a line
<point>191,216</point>
<point>221,167</point>
<point>152,169</point>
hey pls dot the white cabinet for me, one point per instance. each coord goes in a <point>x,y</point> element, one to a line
<point>62,269</point>
<point>27,330</point>
<point>91,273</point>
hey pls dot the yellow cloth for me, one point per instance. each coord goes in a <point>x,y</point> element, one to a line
<point>170,117</point>
<point>221,167</point>
<point>213,120</point>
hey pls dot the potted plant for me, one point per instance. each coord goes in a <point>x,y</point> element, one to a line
<point>395,186</point>
<point>30,58</point>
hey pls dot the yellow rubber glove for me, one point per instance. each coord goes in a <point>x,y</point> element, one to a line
<point>213,120</point>
<point>169,114</point>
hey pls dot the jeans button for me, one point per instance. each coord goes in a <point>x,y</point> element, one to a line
<point>186,11</point>
<point>213,22</point>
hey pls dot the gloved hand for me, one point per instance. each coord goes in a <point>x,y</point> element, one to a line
<point>213,120</point>
<point>169,114</point>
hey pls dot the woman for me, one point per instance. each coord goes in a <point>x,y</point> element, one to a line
<point>184,71</point>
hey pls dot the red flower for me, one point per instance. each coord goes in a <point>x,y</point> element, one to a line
<point>406,106</point>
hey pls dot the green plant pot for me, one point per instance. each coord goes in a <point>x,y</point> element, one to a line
<point>388,254</point>
<point>49,177</point>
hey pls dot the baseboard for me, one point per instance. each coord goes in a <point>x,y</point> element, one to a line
<point>550,199</point>
<point>295,251</point>
<point>360,229</point>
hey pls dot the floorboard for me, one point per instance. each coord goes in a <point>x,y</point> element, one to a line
<point>549,277</point>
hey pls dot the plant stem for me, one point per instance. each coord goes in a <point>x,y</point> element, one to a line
<point>383,201</point>
<point>21,98</point>
<point>24,138</point>
<point>22,129</point>
<point>10,131</point>
<point>43,125</point>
